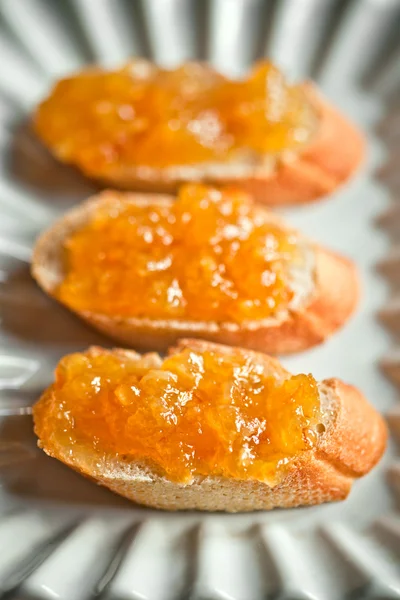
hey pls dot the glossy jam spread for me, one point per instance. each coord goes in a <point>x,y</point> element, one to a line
<point>207,256</point>
<point>144,116</point>
<point>195,413</point>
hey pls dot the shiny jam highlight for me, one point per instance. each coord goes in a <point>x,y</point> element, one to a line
<point>207,256</point>
<point>141,115</point>
<point>195,413</point>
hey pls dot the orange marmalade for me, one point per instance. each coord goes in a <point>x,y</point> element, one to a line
<point>210,255</point>
<point>142,115</point>
<point>195,413</point>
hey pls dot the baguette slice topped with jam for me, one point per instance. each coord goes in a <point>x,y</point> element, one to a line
<point>210,427</point>
<point>145,128</point>
<point>149,269</point>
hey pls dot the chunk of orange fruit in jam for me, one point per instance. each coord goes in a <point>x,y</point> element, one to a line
<point>195,413</point>
<point>141,115</point>
<point>210,255</point>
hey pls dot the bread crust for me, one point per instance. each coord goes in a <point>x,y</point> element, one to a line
<point>354,441</point>
<point>331,157</point>
<point>334,152</point>
<point>332,301</point>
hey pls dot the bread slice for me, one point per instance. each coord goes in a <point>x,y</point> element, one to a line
<point>326,293</point>
<point>352,443</point>
<point>332,153</point>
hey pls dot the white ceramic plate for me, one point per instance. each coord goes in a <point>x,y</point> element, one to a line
<point>60,535</point>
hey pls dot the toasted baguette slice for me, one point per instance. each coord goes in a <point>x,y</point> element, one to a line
<point>334,153</point>
<point>352,443</point>
<point>326,294</point>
